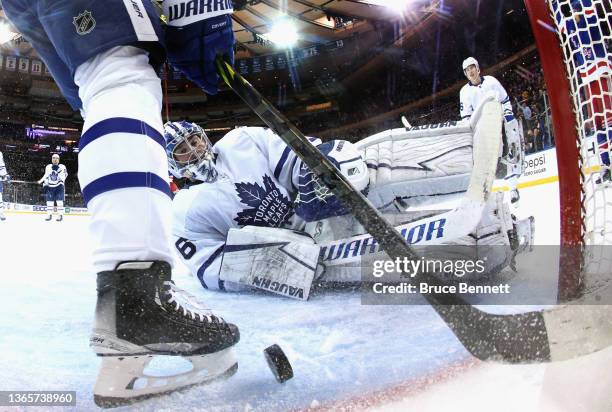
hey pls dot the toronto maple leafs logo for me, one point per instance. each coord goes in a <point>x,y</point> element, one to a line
<point>268,206</point>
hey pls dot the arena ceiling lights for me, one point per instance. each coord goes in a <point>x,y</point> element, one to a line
<point>398,6</point>
<point>6,34</point>
<point>283,33</point>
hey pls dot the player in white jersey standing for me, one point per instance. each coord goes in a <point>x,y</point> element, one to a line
<point>54,181</point>
<point>104,56</point>
<point>471,95</point>
<point>4,177</point>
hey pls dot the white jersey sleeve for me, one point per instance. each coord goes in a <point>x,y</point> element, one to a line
<point>202,256</point>
<point>466,107</point>
<point>63,175</point>
<point>198,235</point>
<point>504,99</point>
<point>282,161</point>
<point>45,177</point>
<point>3,171</point>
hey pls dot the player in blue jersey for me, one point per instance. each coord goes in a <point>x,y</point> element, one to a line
<point>104,55</point>
<point>53,182</point>
<point>4,177</point>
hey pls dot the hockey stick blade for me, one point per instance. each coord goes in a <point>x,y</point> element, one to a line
<point>516,338</point>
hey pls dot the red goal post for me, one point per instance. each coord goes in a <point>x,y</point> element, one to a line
<point>577,63</point>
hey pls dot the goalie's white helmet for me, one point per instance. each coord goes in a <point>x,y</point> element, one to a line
<point>469,61</point>
<point>189,151</point>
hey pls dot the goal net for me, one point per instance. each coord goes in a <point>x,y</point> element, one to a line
<point>575,45</point>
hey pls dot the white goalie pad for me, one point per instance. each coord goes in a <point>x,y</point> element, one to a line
<point>475,148</point>
<point>496,241</point>
<point>280,261</point>
<point>437,184</point>
<point>428,160</point>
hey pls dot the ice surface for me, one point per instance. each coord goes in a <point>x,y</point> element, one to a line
<point>343,354</point>
<point>338,348</point>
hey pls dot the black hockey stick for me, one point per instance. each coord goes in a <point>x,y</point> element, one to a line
<point>517,338</point>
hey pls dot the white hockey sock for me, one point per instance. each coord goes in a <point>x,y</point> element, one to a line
<point>60,207</point>
<point>123,170</point>
<point>50,208</point>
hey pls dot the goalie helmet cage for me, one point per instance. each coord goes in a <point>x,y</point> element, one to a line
<point>573,41</point>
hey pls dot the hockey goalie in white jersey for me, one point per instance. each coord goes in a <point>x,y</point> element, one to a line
<point>260,219</point>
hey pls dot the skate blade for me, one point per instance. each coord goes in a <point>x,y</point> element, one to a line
<point>119,378</point>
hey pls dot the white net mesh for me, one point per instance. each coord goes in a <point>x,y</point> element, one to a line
<point>584,31</point>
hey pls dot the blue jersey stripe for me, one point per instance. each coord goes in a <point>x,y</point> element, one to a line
<point>120,125</point>
<point>206,264</point>
<point>253,246</point>
<point>349,160</point>
<point>123,180</point>
<point>279,167</point>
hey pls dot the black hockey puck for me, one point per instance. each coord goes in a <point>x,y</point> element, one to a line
<point>278,363</point>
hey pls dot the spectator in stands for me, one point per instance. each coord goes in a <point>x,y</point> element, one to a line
<point>526,115</point>
<point>525,110</point>
<point>538,143</point>
<point>529,143</point>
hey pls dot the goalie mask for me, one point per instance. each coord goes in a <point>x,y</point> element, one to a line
<point>189,152</point>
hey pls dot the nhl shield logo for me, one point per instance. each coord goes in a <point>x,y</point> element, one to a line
<point>84,23</point>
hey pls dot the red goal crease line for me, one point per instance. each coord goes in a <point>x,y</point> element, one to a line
<point>402,391</point>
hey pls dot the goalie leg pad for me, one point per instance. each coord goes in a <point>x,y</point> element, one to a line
<point>280,261</point>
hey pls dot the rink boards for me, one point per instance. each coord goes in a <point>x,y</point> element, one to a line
<point>539,168</point>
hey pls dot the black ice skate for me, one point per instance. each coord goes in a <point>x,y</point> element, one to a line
<point>514,196</point>
<point>48,219</point>
<point>59,218</point>
<point>140,314</point>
